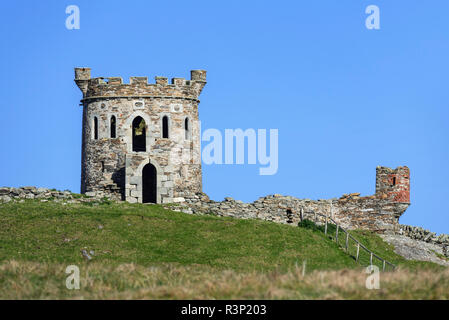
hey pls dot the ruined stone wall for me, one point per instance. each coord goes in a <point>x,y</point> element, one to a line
<point>376,213</point>
<point>21,194</point>
<point>351,212</point>
<point>110,165</point>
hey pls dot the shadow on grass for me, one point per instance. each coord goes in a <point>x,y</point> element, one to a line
<point>309,224</point>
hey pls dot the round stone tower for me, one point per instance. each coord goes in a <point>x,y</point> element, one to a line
<point>141,142</point>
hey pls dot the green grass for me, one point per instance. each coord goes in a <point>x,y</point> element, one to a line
<point>148,252</point>
<point>53,232</point>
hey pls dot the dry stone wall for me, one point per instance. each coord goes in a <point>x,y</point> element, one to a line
<point>421,234</point>
<point>8,194</point>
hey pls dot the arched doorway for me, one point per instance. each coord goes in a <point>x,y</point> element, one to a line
<point>149,184</point>
<point>139,135</point>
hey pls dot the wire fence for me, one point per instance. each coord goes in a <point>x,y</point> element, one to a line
<point>351,245</point>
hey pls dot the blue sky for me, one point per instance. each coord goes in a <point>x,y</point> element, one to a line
<point>344,98</point>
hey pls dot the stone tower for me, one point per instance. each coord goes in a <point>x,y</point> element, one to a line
<point>141,141</point>
<point>393,184</point>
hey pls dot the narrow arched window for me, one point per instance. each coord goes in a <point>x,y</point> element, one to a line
<point>113,128</point>
<point>164,127</point>
<point>187,129</point>
<point>139,135</point>
<point>95,128</point>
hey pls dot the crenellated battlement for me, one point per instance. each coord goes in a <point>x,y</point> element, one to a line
<point>104,87</point>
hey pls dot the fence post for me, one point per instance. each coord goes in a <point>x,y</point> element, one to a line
<point>347,239</point>
<point>325,227</point>
<point>384,262</point>
<point>332,213</point>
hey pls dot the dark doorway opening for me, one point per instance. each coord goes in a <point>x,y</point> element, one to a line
<point>149,184</point>
<point>139,135</point>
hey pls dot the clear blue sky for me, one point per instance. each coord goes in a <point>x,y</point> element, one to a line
<point>345,99</point>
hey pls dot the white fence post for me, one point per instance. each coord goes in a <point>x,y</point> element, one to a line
<point>325,227</point>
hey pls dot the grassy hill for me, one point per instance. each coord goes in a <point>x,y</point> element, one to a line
<point>137,247</point>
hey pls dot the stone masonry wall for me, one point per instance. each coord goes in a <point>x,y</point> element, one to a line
<point>350,211</point>
<point>378,213</point>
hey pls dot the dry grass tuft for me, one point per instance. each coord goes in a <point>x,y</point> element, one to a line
<point>32,280</point>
